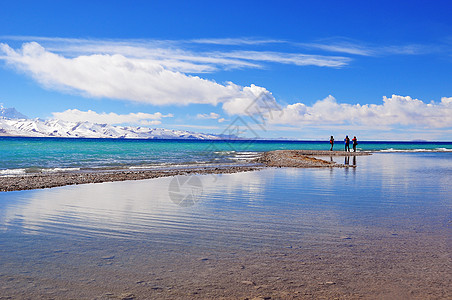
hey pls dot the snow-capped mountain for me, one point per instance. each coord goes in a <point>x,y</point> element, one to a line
<point>11,113</point>
<point>13,126</point>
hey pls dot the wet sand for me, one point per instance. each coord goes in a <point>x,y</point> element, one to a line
<point>381,265</point>
<point>280,158</point>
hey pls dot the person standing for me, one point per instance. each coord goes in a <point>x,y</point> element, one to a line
<point>347,144</point>
<point>331,143</point>
<point>355,143</point>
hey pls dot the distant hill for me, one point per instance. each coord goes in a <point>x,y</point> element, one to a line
<point>11,113</point>
<point>13,123</point>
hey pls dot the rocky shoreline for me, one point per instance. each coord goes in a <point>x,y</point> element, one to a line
<point>279,158</point>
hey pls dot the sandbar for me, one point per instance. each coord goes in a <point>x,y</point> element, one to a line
<point>278,158</point>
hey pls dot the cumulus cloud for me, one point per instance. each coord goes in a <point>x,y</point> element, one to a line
<point>119,77</point>
<point>256,100</point>
<point>189,56</point>
<point>395,111</point>
<point>158,73</point>
<point>168,54</point>
<point>75,115</point>
<point>151,72</point>
<point>212,115</point>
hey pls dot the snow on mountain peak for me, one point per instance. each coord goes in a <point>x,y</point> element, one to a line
<point>13,123</point>
<point>59,128</point>
<point>11,113</point>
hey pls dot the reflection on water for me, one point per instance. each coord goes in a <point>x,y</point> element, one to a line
<point>243,209</point>
<point>385,222</point>
<point>347,160</point>
<point>341,159</point>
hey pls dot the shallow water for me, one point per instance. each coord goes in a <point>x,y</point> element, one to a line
<point>71,230</point>
<point>382,187</point>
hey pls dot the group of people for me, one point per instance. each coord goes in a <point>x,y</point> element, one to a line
<point>347,143</point>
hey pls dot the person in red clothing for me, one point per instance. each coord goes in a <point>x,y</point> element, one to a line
<point>332,143</point>
<point>355,143</point>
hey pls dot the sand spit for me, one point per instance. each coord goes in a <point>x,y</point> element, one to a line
<point>279,158</point>
<point>40,181</point>
<point>304,158</point>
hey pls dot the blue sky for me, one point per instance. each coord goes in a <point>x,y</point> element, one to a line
<point>292,69</point>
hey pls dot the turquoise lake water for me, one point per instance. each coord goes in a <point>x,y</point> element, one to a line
<point>28,155</point>
<point>83,241</point>
<point>400,188</point>
<point>95,238</point>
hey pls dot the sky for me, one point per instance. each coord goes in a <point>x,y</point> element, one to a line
<point>380,70</point>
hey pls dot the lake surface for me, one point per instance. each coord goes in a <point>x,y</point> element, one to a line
<point>387,220</point>
<point>33,155</point>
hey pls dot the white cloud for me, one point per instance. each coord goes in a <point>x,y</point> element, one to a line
<point>188,56</point>
<point>343,47</point>
<point>212,115</point>
<point>256,100</point>
<point>349,46</point>
<point>409,49</point>
<point>446,100</point>
<point>150,123</point>
<point>202,127</point>
<point>157,72</point>
<point>168,54</point>
<point>151,72</point>
<point>221,120</point>
<point>75,115</point>
<point>237,41</point>
<point>395,111</point>
<point>289,58</point>
<point>119,77</point>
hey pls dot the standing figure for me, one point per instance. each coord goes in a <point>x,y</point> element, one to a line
<point>347,143</point>
<point>355,143</point>
<point>331,143</point>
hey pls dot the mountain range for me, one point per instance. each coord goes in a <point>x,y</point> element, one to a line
<point>13,123</point>
<point>11,113</point>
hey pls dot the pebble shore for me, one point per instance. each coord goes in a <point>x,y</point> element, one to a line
<point>279,158</point>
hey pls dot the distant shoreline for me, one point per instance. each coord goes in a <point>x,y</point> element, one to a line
<point>338,144</point>
<point>278,158</point>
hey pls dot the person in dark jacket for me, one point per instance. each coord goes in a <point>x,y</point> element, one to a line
<point>347,143</point>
